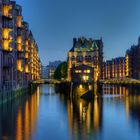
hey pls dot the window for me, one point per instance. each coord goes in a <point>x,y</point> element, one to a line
<point>85,78</point>
<point>88,58</point>
<point>78,71</point>
<point>79,58</point>
<point>87,71</point>
<point>73,58</point>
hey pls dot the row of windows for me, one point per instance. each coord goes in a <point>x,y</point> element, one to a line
<point>80,71</point>
<point>81,58</point>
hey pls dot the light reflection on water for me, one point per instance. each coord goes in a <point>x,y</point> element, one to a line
<point>49,115</point>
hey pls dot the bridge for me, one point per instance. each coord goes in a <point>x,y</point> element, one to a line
<point>126,81</point>
<point>46,81</point>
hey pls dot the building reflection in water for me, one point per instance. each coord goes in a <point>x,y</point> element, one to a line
<point>130,95</point>
<point>115,89</point>
<point>18,118</point>
<point>133,104</point>
<point>84,118</point>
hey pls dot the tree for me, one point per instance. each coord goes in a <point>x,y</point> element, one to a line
<point>61,71</point>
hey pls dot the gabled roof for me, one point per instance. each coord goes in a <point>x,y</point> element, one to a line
<point>83,44</point>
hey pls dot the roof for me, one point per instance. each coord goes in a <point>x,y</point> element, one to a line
<point>83,44</point>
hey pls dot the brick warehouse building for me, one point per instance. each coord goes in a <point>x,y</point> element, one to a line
<point>123,67</point>
<point>133,61</point>
<point>19,60</point>
<point>114,69</point>
<point>85,60</point>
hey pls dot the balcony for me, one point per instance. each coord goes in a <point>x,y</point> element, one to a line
<point>19,48</point>
<point>6,46</point>
<point>7,39</point>
<point>19,39</point>
<point>19,65</point>
<point>19,44</point>
<point>6,34</point>
<point>26,69</point>
<point>7,11</point>
<point>19,21</point>
<point>26,49</point>
<point>26,55</point>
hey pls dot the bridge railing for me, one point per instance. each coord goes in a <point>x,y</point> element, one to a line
<point>41,81</point>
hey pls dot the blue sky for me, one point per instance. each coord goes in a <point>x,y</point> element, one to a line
<point>54,23</point>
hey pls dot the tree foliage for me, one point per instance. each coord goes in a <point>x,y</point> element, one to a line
<point>61,71</point>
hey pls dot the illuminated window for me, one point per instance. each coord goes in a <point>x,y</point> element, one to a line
<point>19,47</point>
<point>78,71</point>
<point>6,45</point>
<point>19,21</point>
<point>26,55</point>
<point>127,65</point>
<point>6,10</point>
<point>6,32</point>
<point>26,69</point>
<point>85,78</point>
<point>19,65</point>
<point>27,43</point>
<point>19,40</point>
<point>86,71</point>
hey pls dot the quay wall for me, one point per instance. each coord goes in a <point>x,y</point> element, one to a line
<point>9,95</point>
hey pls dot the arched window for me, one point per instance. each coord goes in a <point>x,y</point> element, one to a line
<point>72,58</point>
<point>89,58</point>
<point>79,58</point>
<point>86,58</point>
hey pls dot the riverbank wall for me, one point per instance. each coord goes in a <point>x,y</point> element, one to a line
<point>8,95</point>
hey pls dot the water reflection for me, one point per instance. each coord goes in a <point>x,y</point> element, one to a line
<point>123,106</point>
<point>115,89</point>
<point>133,107</point>
<point>84,118</point>
<point>47,115</point>
<point>18,118</point>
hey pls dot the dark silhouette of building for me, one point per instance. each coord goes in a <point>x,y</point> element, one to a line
<point>133,61</point>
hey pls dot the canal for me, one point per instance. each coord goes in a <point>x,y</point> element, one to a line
<point>47,115</point>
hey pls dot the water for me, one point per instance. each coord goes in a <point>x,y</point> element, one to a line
<point>46,115</point>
